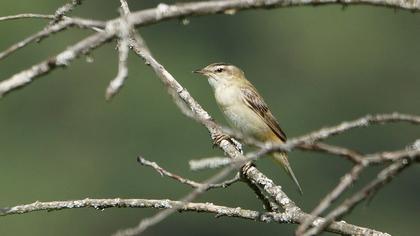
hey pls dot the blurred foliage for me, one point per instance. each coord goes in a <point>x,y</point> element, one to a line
<point>315,66</point>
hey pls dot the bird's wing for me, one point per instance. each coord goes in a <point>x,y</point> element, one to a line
<point>257,104</point>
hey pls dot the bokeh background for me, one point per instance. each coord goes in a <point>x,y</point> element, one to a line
<point>315,66</point>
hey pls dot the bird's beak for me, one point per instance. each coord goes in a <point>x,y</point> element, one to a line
<point>201,71</point>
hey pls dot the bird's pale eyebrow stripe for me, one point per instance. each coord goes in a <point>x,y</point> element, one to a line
<point>220,64</point>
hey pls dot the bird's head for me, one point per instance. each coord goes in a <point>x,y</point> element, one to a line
<point>222,74</point>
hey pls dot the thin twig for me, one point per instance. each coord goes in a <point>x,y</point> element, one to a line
<point>383,157</point>
<point>63,10</point>
<point>209,163</point>
<point>148,222</point>
<point>328,132</point>
<point>60,60</point>
<point>397,157</point>
<point>183,180</point>
<point>382,178</point>
<point>164,172</point>
<point>123,48</point>
<point>349,154</point>
<point>27,15</point>
<point>47,31</point>
<point>53,26</point>
<point>345,182</point>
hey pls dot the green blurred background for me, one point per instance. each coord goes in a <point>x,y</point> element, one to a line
<point>315,66</point>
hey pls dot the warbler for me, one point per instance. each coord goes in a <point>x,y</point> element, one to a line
<point>245,109</point>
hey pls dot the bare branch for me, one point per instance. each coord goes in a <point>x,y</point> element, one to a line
<point>183,180</point>
<point>365,121</point>
<point>209,163</point>
<point>401,160</point>
<point>76,21</point>
<point>27,15</point>
<point>378,158</point>
<point>326,202</point>
<point>382,178</point>
<point>53,27</point>
<point>63,10</point>
<point>148,222</point>
<point>63,59</point>
<point>268,204</point>
<point>349,154</point>
<point>311,141</point>
<point>164,172</point>
<point>124,7</point>
<point>166,12</point>
<point>100,204</point>
<point>295,213</point>
<point>123,35</point>
<point>59,26</point>
<point>118,81</point>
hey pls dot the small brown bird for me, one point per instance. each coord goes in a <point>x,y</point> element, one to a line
<point>245,109</point>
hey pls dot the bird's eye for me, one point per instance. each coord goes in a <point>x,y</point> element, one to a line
<point>218,70</point>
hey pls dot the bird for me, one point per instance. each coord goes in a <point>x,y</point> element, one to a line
<point>245,109</point>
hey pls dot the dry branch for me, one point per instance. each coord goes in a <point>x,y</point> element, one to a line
<point>123,47</point>
<point>63,59</point>
<point>183,180</point>
<point>63,10</point>
<point>401,160</point>
<point>52,29</point>
<point>382,178</point>
<point>165,12</point>
<point>99,204</point>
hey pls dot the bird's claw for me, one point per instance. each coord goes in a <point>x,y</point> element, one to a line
<point>218,138</point>
<point>247,165</point>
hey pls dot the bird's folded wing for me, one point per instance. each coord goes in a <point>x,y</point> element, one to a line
<point>257,104</point>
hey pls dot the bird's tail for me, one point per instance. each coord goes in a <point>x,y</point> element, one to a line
<point>281,158</point>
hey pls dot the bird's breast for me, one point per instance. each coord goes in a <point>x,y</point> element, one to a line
<point>240,116</point>
<point>227,96</point>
